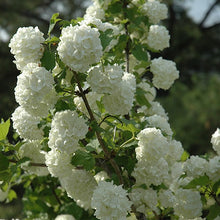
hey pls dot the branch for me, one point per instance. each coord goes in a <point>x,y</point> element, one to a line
<point>101,142</point>
<point>208,13</point>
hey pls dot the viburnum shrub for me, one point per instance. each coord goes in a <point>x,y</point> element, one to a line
<point>94,142</point>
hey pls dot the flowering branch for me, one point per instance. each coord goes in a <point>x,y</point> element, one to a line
<point>92,118</point>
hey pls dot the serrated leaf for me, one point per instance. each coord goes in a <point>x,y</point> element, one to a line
<point>140,97</point>
<point>4,163</point>
<point>4,128</point>
<point>200,181</point>
<point>106,38</point>
<point>54,19</point>
<point>82,158</point>
<point>139,53</point>
<point>48,60</point>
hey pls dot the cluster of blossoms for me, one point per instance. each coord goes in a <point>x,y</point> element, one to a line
<point>93,88</point>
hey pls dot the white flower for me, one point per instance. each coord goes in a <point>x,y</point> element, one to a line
<point>95,10</point>
<point>187,203</point>
<point>103,4</point>
<point>155,11</point>
<point>195,166</point>
<point>79,47</point>
<point>164,73</point>
<point>120,101</point>
<point>131,217</point>
<point>27,46</point>
<point>150,94</point>
<point>67,129</point>
<point>161,123</point>
<point>166,198</point>
<point>34,90</point>
<point>105,79</point>
<point>92,97</point>
<point>152,145</point>
<point>32,149</point>
<point>158,37</point>
<point>144,199</point>
<point>101,176</point>
<point>26,125</point>
<point>213,171</point>
<point>79,185</point>
<point>216,141</point>
<point>58,163</point>
<point>110,201</point>
<point>64,217</point>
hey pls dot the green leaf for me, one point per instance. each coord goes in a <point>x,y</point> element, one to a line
<point>4,128</point>
<point>139,53</point>
<point>82,158</point>
<point>54,19</point>
<point>185,156</point>
<point>4,163</point>
<point>140,97</point>
<point>48,60</point>
<point>214,211</point>
<point>127,125</point>
<point>106,38</point>
<point>11,195</point>
<point>200,181</point>
<point>115,8</point>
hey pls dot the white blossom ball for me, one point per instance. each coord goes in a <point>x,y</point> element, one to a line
<point>105,79</point>
<point>161,123</point>
<point>155,11</point>
<point>110,201</point>
<point>35,91</point>
<point>26,125</point>
<point>67,129</point>
<point>158,37</point>
<point>79,47</point>
<point>195,166</point>
<point>64,217</point>
<point>32,149</point>
<point>95,10</point>
<point>144,199</point>
<point>58,163</point>
<point>120,101</point>
<point>188,203</point>
<point>27,46</point>
<point>216,141</point>
<point>166,198</point>
<point>164,73</point>
<point>213,171</point>
<point>79,185</point>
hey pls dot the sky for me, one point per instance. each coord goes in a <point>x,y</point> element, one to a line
<point>196,10</point>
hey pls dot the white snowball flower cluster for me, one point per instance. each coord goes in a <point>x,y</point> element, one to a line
<point>26,125</point>
<point>27,46</point>
<point>79,47</point>
<point>35,91</point>
<point>64,217</point>
<point>32,149</point>
<point>164,73</point>
<point>166,198</point>
<point>155,11</point>
<point>161,123</point>
<point>216,141</point>
<point>188,203</point>
<point>195,166</point>
<point>144,199</point>
<point>79,185</point>
<point>213,171</point>
<point>158,37</point>
<point>110,201</point>
<point>58,163</point>
<point>67,129</point>
<point>103,4</point>
<point>95,10</point>
<point>117,86</point>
